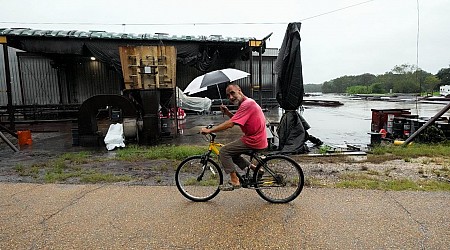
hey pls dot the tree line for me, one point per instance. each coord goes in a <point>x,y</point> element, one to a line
<point>404,78</point>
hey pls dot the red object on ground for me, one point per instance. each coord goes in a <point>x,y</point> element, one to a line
<point>180,114</point>
<point>24,137</point>
<point>383,133</point>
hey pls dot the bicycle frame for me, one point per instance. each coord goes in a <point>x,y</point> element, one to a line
<point>199,177</point>
<point>245,180</point>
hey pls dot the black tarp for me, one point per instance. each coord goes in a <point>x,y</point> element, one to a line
<point>291,131</point>
<point>205,56</point>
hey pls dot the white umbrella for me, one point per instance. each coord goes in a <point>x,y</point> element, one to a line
<point>201,83</point>
<point>194,87</point>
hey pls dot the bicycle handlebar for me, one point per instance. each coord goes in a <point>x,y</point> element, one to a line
<point>212,135</point>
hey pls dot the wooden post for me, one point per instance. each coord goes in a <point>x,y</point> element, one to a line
<point>3,137</point>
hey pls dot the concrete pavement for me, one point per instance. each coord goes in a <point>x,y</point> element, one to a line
<point>54,216</point>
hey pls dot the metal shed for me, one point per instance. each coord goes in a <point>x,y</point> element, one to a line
<point>55,70</point>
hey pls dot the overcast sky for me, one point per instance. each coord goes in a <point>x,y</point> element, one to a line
<point>345,37</point>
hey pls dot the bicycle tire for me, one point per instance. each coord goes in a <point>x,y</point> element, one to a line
<point>287,183</point>
<point>190,186</point>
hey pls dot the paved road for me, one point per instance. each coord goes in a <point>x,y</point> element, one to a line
<point>142,217</point>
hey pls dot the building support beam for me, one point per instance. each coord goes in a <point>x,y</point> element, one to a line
<point>10,107</point>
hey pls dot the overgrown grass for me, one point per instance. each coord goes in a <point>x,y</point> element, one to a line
<point>102,177</point>
<point>438,153</point>
<point>311,181</point>
<point>32,170</point>
<point>79,157</point>
<point>413,150</point>
<point>361,181</point>
<point>66,167</point>
<point>135,153</point>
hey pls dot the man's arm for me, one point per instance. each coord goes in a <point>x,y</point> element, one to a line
<point>223,126</point>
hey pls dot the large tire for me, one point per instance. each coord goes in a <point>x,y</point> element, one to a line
<point>194,185</point>
<point>285,182</point>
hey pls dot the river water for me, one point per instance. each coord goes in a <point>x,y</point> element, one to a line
<point>350,123</point>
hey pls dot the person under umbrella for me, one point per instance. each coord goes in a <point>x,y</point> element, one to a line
<point>252,122</point>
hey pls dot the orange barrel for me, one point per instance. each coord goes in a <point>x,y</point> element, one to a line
<point>24,137</point>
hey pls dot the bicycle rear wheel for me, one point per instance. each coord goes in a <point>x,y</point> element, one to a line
<point>282,180</point>
<point>198,179</point>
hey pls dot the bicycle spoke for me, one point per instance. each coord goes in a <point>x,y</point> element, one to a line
<point>197,181</point>
<point>282,180</point>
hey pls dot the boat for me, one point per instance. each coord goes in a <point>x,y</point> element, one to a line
<point>326,103</point>
<point>435,99</point>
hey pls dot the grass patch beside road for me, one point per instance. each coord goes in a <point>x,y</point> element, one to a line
<point>434,153</point>
<point>413,150</point>
<point>66,167</point>
<point>136,153</point>
<point>361,181</point>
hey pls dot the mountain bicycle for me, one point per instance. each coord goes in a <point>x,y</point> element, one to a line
<point>276,178</point>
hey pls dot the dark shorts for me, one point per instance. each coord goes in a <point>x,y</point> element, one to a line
<point>230,155</point>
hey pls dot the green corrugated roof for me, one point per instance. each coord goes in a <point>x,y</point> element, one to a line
<point>114,35</point>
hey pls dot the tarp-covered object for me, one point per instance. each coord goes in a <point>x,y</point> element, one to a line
<point>291,132</point>
<point>198,104</point>
<point>289,69</point>
<point>114,137</point>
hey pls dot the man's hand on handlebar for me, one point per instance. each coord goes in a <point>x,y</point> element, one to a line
<point>205,131</point>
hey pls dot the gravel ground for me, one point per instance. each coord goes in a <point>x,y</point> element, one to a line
<point>30,167</point>
<point>27,165</point>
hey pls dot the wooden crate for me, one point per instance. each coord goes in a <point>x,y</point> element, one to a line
<point>149,67</point>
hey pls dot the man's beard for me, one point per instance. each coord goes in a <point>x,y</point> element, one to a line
<point>235,102</point>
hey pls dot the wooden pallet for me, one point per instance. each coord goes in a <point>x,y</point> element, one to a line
<point>148,67</point>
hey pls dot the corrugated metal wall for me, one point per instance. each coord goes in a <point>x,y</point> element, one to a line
<point>15,80</point>
<point>87,78</point>
<point>185,74</point>
<point>44,82</point>
<point>39,80</point>
<point>268,77</point>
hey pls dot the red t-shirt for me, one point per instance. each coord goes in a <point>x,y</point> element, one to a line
<point>252,121</point>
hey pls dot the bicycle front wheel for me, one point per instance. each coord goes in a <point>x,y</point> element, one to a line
<point>198,179</point>
<point>282,180</point>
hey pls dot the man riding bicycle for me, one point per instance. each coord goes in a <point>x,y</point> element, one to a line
<point>252,122</point>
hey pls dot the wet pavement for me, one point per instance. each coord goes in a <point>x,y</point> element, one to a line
<point>147,217</point>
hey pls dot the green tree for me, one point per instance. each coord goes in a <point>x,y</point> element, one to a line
<point>431,83</point>
<point>444,76</point>
<point>404,79</point>
<point>377,88</point>
<point>404,69</point>
<point>359,89</point>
